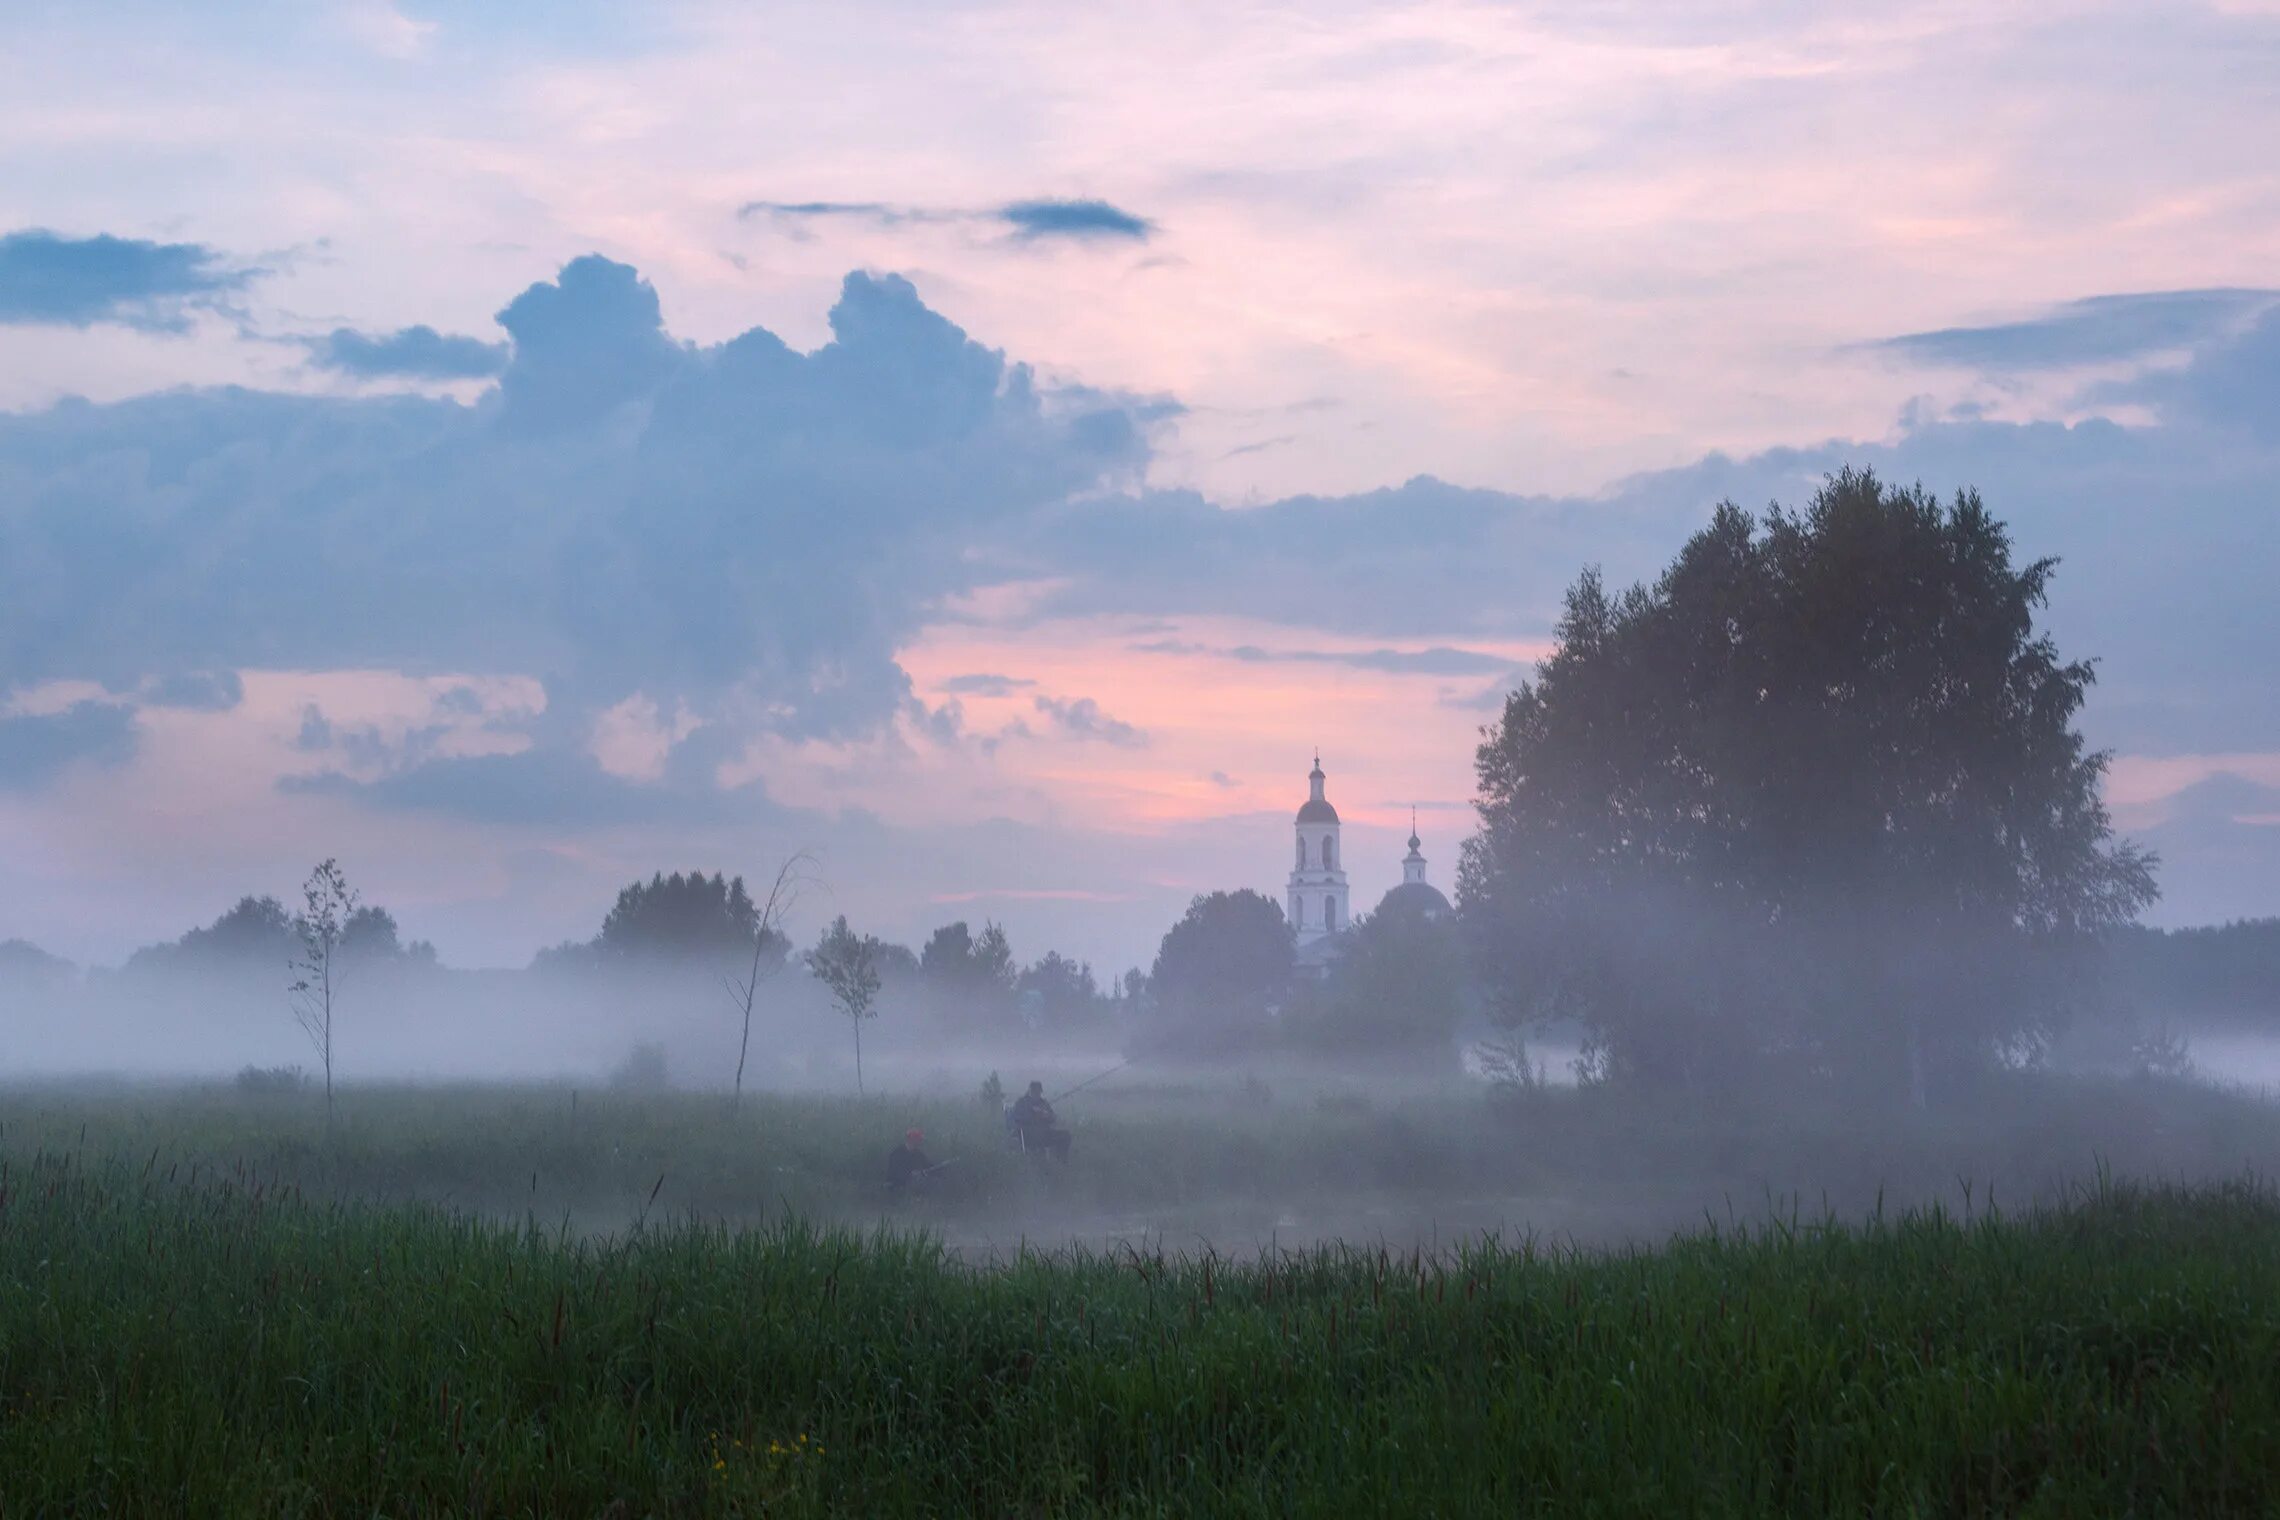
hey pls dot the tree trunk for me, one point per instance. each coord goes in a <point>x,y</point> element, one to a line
<point>736,1096</point>
<point>858,1023</point>
<point>328,1042</point>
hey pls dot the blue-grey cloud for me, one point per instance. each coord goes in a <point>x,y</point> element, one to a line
<point>35,749</point>
<point>2097,330</point>
<point>552,786</point>
<point>415,353</point>
<point>983,684</point>
<point>1073,219</point>
<point>1487,699</point>
<point>50,279</point>
<point>1440,660</point>
<point>2233,385</point>
<point>1028,221</point>
<point>513,790</point>
<point>197,690</point>
<point>1082,718</point>
<point>870,211</point>
<point>740,525</point>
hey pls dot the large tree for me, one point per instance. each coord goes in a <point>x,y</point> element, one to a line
<point>694,916</point>
<point>1220,975</point>
<point>1813,802</point>
<point>694,922</point>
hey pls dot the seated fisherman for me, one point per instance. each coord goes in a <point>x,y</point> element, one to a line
<point>1034,1121</point>
<point>907,1167</point>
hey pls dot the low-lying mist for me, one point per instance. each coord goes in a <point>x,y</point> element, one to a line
<point>595,1100</point>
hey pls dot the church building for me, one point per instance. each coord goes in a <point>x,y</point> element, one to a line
<point>1316,900</point>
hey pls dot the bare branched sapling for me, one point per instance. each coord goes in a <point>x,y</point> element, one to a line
<point>847,964</point>
<point>327,902</point>
<point>768,947</point>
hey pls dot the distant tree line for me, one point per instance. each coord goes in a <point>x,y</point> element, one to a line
<point>2228,972</point>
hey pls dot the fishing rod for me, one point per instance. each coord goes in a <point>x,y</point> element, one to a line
<point>1081,1086</point>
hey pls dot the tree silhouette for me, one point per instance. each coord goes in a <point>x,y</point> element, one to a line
<point>1220,973</point>
<point>1813,801</point>
<point>691,917</point>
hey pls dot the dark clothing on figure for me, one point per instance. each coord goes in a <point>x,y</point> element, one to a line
<point>1033,1118</point>
<point>907,1166</point>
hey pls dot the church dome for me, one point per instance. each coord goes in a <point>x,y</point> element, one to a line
<point>1420,898</point>
<point>1317,808</point>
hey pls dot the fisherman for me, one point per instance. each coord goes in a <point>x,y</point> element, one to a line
<point>1034,1121</point>
<point>908,1170</point>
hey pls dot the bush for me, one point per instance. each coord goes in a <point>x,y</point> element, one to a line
<point>642,1070</point>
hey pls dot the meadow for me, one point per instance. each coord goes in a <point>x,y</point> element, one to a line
<point>209,1306</point>
<point>1223,1160</point>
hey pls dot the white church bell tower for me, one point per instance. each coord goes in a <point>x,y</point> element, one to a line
<point>1317,899</point>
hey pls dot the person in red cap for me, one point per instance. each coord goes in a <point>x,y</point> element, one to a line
<point>907,1166</point>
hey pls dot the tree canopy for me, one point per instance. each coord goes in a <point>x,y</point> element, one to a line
<point>1220,973</point>
<point>969,978</point>
<point>1815,799</point>
<point>691,917</point>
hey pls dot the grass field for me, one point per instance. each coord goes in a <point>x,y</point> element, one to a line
<point>1223,1161</point>
<point>226,1346</point>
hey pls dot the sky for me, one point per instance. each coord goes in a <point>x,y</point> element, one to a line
<point>514,448</point>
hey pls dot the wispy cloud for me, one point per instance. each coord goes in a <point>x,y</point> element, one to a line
<point>47,278</point>
<point>1028,221</point>
<point>984,684</point>
<point>1073,219</point>
<point>1439,660</point>
<point>37,748</point>
<point>2096,330</point>
<point>1083,719</point>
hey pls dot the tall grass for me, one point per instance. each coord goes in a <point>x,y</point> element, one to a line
<point>1228,1163</point>
<point>222,1344</point>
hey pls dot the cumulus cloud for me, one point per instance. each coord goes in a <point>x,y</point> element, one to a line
<point>2095,330</point>
<point>1083,719</point>
<point>47,278</point>
<point>36,748</point>
<point>743,527</point>
<point>1028,221</point>
<point>416,353</point>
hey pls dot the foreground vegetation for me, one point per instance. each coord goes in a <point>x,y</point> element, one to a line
<point>227,1346</point>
